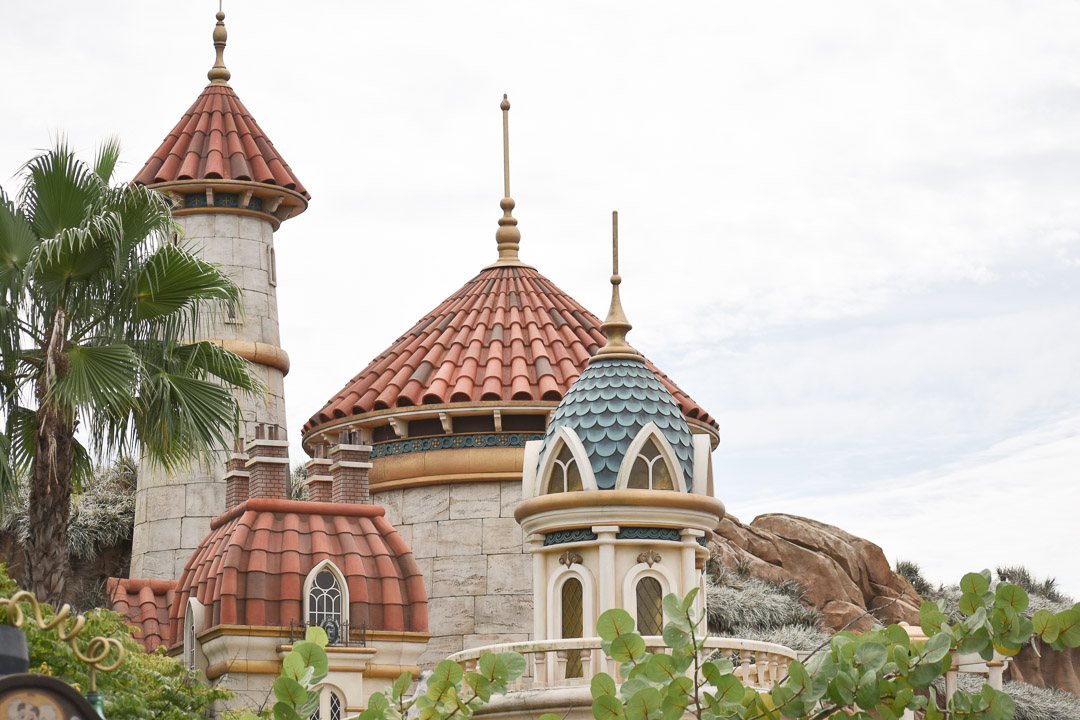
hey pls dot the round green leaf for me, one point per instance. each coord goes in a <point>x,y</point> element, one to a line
<point>626,648</point>
<point>289,691</point>
<point>660,668</point>
<point>643,703</point>
<point>1012,596</point>
<point>931,618</point>
<point>607,707</point>
<point>448,671</point>
<point>729,689</point>
<point>935,649</point>
<point>602,684</point>
<point>317,635</point>
<point>1069,627</point>
<point>613,623</point>
<point>970,602</point>
<point>975,584</point>
<point>871,657</point>
<point>515,664</point>
<point>401,685</point>
<point>1045,625</point>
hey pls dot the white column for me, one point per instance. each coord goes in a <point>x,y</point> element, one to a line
<point>605,571</point>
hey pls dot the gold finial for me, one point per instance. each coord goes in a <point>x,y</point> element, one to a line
<point>219,74</point>
<point>616,325</point>
<point>507,236</point>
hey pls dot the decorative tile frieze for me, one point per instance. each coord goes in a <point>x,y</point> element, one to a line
<point>649,533</point>
<point>453,442</point>
<point>568,536</point>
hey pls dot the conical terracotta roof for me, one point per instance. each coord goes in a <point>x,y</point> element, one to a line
<point>507,334</point>
<point>218,139</point>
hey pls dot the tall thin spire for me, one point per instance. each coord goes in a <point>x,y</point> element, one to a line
<point>219,74</point>
<point>507,236</point>
<point>616,326</point>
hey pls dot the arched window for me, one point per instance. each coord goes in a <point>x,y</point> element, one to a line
<point>331,706</point>
<point>189,637</point>
<point>650,603</point>
<point>565,474</point>
<point>573,623</point>
<point>650,471</point>
<point>324,604</point>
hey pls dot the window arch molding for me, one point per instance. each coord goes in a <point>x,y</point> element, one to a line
<point>326,703</point>
<point>554,600</point>
<point>564,436</point>
<point>667,456</point>
<point>194,621</point>
<point>640,571</point>
<point>343,588</point>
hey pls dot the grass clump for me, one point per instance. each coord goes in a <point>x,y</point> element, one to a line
<point>1020,575</point>
<point>1032,703</point>
<point>911,572</point>
<point>743,606</point>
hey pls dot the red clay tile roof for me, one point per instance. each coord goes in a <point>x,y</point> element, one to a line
<point>217,139</point>
<point>508,334</point>
<point>146,604</point>
<point>250,569</point>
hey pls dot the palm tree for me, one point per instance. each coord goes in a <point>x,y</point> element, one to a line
<point>96,305</point>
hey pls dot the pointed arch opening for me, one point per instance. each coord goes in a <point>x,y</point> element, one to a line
<point>565,474</point>
<point>326,597</point>
<point>651,463</point>
<point>564,466</point>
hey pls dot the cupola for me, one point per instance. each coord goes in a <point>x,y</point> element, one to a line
<point>616,499</point>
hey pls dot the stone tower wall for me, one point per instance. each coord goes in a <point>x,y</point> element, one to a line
<point>172,514</point>
<point>472,553</point>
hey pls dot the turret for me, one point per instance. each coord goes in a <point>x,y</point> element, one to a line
<point>232,190</point>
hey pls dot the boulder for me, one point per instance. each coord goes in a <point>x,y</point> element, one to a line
<point>844,575</point>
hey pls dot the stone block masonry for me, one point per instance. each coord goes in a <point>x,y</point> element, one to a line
<point>472,551</point>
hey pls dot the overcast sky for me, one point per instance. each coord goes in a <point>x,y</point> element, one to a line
<point>851,230</point>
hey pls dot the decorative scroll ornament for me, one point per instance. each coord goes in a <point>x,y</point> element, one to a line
<point>568,558</point>
<point>649,556</point>
<point>97,651</point>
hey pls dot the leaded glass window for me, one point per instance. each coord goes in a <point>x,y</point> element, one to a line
<point>189,638</point>
<point>650,471</point>
<point>324,600</point>
<point>335,706</point>
<point>573,623</point>
<point>565,474</point>
<point>650,613</point>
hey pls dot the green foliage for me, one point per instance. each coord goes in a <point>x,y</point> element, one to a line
<point>881,671</point>
<point>1020,575</point>
<point>911,572</point>
<point>302,669</point>
<point>146,686</point>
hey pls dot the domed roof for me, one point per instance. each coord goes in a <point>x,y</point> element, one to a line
<point>507,334</point>
<point>251,568</point>
<point>609,404</point>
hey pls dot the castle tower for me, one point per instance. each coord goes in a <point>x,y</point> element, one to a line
<point>617,502</point>
<point>232,190</point>
<point>447,411</point>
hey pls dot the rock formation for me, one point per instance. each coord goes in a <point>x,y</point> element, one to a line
<point>845,575</point>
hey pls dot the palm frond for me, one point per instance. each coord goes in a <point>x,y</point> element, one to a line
<point>108,154</point>
<point>206,359</point>
<point>174,280</point>
<point>57,191</point>
<point>17,242</point>
<point>97,377</point>
<point>9,480</point>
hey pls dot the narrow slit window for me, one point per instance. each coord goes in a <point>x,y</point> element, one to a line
<point>650,603</point>
<point>573,623</point>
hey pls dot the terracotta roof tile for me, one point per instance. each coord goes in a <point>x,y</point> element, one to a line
<point>145,604</point>
<point>218,139</point>
<point>250,569</point>
<point>507,334</point>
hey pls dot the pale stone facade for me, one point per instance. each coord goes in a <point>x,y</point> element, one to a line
<point>473,555</point>
<point>173,514</point>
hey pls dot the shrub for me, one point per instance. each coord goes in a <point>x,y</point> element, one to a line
<point>1032,703</point>
<point>146,686</point>
<point>1020,575</point>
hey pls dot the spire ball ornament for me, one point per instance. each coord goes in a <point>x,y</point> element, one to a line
<point>507,237</point>
<point>616,326</point>
<point>219,74</point>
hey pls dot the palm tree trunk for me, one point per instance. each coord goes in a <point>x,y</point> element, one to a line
<point>50,478</point>
<point>50,505</point>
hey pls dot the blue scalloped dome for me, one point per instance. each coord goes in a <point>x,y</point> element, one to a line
<point>608,405</point>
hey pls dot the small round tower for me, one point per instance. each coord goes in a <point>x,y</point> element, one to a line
<point>232,190</point>
<point>617,499</point>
